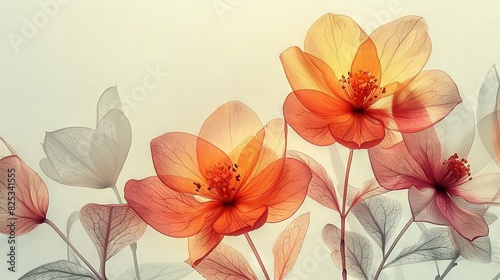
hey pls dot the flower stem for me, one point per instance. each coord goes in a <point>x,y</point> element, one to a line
<point>250,242</point>
<point>384,259</point>
<point>133,246</point>
<point>59,232</point>
<point>450,266</point>
<point>343,216</point>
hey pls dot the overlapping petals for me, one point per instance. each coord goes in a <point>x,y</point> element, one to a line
<point>355,89</point>
<point>229,180</point>
<point>432,165</point>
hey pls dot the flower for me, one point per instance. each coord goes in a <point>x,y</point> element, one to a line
<point>229,180</point>
<point>362,91</point>
<point>92,158</point>
<point>432,164</point>
<point>24,198</point>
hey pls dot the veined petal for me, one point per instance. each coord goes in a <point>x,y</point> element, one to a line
<point>489,131</point>
<point>403,48</point>
<point>229,126</point>
<point>335,40</point>
<point>423,206</point>
<point>483,189</point>
<point>313,128</point>
<point>261,183</point>
<point>247,157</point>
<point>359,131</point>
<point>366,58</point>
<point>202,244</point>
<point>469,224</point>
<point>426,100</point>
<point>240,218</point>
<point>395,168</point>
<point>169,212</point>
<point>425,148</point>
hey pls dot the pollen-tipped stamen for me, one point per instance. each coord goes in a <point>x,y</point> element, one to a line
<point>361,87</point>
<point>457,168</point>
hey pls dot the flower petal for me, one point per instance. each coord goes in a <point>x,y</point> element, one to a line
<point>22,186</point>
<point>483,189</point>
<point>108,101</point>
<point>202,244</point>
<point>423,206</point>
<point>313,128</point>
<point>169,212</point>
<point>395,168</point>
<point>489,131</point>
<point>366,58</point>
<point>240,218</point>
<point>469,224</point>
<point>425,148</point>
<point>359,131</point>
<point>403,48</point>
<point>425,101</point>
<point>335,40</point>
<point>229,126</point>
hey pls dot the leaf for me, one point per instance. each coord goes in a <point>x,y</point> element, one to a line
<point>287,247</point>
<point>111,228</point>
<point>225,263</point>
<point>321,187</point>
<point>6,149</point>
<point>379,216</point>
<point>109,100</point>
<point>371,188</point>
<point>489,93</point>
<point>63,270</point>
<point>358,251</point>
<point>75,216</point>
<point>158,271</point>
<point>434,244</point>
<point>478,250</point>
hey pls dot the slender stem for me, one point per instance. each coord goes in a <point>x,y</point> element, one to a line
<point>59,232</point>
<point>452,264</point>
<point>250,242</point>
<point>343,216</point>
<point>497,277</point>
<point>133,246</point>
<point>386,256</point>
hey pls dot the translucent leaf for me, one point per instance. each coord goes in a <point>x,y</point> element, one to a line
<point>75,216</point>
<point>358,250</point>
<point>158,271</point>
<point>109,100</point>
<point>287,247</point>
<point>111,228</point>
<point>490,217</point>
<point>321,187</point>
<point>224,262</point>
<point>434,244</point>
<point>59,270</point>
<point>379,216</point>
<point>371,188</point>
<point>5,149</point>
<point>478,250</point>
<point>489,93</point>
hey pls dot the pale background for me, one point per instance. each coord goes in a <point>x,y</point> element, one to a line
<point>205,53</point>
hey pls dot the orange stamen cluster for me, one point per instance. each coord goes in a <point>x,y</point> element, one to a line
<point>219,177</point>
<point>457,168</point>
<point>361,86</point>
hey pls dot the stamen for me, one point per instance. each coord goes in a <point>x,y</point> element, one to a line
<point>457,168</point>
<point>219,179</point>
<point>360,87</point>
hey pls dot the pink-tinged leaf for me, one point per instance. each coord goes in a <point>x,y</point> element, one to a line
<point>288,245</point>
<point>24,198</point>
<point>5,149</point>
<point>111,228</point>
<point>371,188</point>
<point>321,187</point>
<point>225,263</point>
<point>358,251</point>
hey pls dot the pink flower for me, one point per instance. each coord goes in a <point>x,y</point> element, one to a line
<point>436,172</point>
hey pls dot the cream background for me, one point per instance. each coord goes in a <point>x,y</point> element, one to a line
<point>207,56</point>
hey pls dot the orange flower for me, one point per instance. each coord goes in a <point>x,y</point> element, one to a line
<point>359,90</point>
<point>229,180</point>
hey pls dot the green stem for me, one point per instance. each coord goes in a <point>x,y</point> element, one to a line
<point>386,256</point>
<point>250,242</point>
<point>343,216</point>
<point>59,232</point>
<point>450,266</point>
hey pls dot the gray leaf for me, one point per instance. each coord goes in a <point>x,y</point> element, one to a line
<point>434,244</point>
<point>159,271</point>
<point>379,216</point>
<point>488,94</point>
<point>59,270</point>
<point>109,100</point>
<point>478,250</point>
<point>358,250</point>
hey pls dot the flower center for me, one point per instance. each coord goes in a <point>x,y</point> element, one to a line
<point>457,168</point>
<point>219,178</point>
<point>360,86</point>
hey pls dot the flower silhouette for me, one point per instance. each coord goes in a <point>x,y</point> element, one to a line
<point>24,199</point>
<point>92,158</point>
<point>229,180</point>
<point>359,90</point>
<point>432,164</point>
